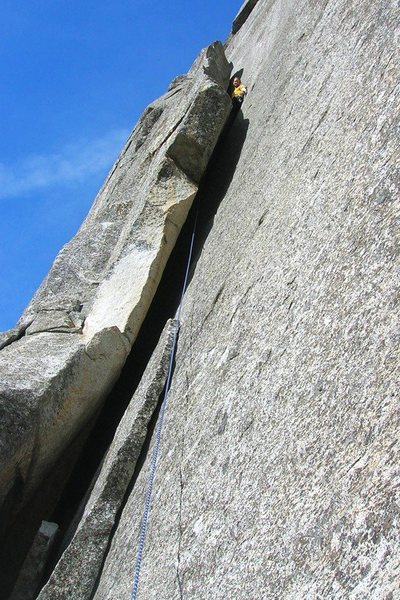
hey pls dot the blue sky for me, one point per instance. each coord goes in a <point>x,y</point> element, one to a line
<point>75,77</point>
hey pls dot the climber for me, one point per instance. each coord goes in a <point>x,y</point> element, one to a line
<point>238,93</point>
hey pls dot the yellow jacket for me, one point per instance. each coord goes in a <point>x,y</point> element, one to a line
<point>239,91</point>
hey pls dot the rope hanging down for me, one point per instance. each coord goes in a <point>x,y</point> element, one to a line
<point>156,448</point>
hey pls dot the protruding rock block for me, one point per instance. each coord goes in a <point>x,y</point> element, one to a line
<point>85,316</point>
<point>51,385</point>
<point>191,147</point>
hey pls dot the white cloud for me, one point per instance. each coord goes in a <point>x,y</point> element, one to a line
<point>73,164</point>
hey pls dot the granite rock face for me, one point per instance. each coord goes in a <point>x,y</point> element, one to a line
<point>279,472</point>
<point>58,364</point>
<point>279,469</point>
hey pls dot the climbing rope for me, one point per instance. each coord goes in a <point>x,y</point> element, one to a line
<point>156,448</point>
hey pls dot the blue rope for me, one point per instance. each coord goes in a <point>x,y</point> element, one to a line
<point>153,463</point>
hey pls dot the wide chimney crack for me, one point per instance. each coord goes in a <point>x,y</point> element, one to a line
<point>212,189</point>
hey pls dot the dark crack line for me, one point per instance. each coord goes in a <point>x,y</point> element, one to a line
<point>321,119</point>
<point>354,464</point>
<point>214,302</point>
<point>242,300</point>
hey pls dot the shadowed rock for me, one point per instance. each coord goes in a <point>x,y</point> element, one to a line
<point>34,564</point>
<point>243,15</point>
